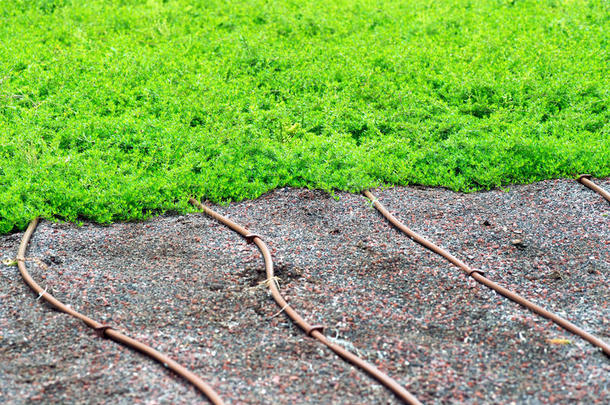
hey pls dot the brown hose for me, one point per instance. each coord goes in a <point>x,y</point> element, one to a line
<point>106,331</point>
<point>586,180</point>
<point>564,323</point>
<point>314,331</point>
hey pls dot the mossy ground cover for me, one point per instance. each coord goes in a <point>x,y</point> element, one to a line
<point>115,110</point>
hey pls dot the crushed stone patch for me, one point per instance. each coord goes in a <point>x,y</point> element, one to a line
<point>190,288</point>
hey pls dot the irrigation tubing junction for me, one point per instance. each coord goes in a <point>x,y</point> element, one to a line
<point>107,331</point>
<point>585,179</point>
<point>480,277</point>
<point>314,331</point>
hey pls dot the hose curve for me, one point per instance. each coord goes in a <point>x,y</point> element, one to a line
<point>479,277</point>
<point>107,331</point>
<point>314,331</point>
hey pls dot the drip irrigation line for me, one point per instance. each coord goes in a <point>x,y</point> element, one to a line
<point>314,331</point>
<point>107,331</point>
<point>480,277</point>
<point>585,179</point>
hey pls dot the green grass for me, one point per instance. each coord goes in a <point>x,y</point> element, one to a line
<point>116,110</point>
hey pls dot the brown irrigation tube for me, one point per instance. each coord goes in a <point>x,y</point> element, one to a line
<point>314,331</point>
<point>564,323</point>
<point>585,179</point>
<point>107,331</point>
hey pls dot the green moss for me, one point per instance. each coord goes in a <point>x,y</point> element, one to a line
<point>119,110</point>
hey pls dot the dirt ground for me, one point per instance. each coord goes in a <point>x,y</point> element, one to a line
<point>189,287</point>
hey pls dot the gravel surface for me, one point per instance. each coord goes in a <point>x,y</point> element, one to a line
<point>189,287</point>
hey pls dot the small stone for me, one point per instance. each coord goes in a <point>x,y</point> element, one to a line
<point>518,243</point>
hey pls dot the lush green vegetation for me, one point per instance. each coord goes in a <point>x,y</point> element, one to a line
<point>113,110</point>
